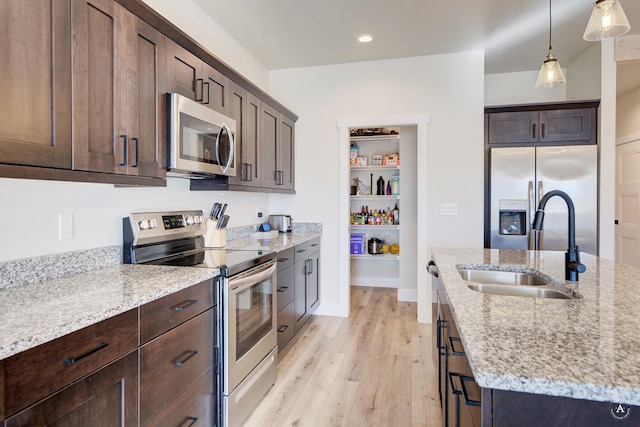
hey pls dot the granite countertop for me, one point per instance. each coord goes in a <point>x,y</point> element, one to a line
<point>275,243</point>
<point>44,298</point>
<point>40,312</point>
<point>587,348</point>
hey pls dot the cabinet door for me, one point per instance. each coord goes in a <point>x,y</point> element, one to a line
<point>568,125</point>
<point>35,81</point>
<point>246,116</point>
<point>269,137</point>
<point>300,294</point>
<point>285,155</point>
<point>215,89</point>
<point>106,398</point>
<point>313,282</point>
<point>184,71</point>
<point>513,127</point>
<point>99,86</point>
<point>146,153</point>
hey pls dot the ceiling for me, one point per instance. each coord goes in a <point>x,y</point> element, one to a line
<point>303,33</point>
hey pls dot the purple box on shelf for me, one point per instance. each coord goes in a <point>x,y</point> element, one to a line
<point>357,244</point>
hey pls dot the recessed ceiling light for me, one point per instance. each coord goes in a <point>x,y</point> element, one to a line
<point>365,38</point>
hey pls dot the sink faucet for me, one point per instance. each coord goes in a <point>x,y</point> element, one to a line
<point>572,257</point>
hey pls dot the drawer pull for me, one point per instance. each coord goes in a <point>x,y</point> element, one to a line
<point>72,360</point>
<point>453,351</point>
<point>283,259</point>
<point>185,304</point>
<point>191,421</point>
<point>189,353</point>
<point>283,288</point>
<point>283,328</point>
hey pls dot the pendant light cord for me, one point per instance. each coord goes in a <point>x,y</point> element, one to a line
<point>550,26</point>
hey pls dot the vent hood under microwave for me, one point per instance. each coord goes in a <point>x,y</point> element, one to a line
<point>200,141</point>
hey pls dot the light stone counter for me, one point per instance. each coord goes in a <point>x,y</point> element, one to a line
<point>587,348</point>
<point>36,313</point>
<point>278,243</point>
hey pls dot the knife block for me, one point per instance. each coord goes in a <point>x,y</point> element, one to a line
<point>214,238</point>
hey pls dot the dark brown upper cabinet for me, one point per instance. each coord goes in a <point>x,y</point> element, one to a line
<point>115,86</point>
<point>553,124</point>
<point>35,83</point>
<point>244,109</point>
<point>277,141</point>
<point>189,76</point>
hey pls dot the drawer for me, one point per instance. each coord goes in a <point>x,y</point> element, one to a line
<point>195,407</point>
<point>172,362</point>
<point>168,312</point>
<point>38,372</point>
<point>285,287</point>
<point>286,321</point>
<point>285,258</point>
<point>303,250</point>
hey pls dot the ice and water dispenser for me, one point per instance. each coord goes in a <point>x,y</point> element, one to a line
<point>513,217</point>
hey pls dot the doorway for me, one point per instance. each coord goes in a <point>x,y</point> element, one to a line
<point>415,285</point>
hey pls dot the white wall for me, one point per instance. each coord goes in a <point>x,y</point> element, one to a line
<point>448,88</point>
<point>583,75</point>
<point>628,114</point>
<point>519,88</point>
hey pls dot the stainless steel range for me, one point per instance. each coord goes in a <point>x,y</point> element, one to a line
<point>247,345</point>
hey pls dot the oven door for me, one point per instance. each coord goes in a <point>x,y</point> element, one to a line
<point>250,321</point>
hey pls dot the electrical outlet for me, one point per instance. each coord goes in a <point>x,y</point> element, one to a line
<point>448,209</point>
<point>259,214</point>
<point>65,226</point>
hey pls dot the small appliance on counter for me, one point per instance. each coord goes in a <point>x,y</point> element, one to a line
<point>282,223</point>
<point>374,246</point>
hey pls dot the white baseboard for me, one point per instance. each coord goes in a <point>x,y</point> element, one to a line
<point>332,309</point>
<point>408,295</point>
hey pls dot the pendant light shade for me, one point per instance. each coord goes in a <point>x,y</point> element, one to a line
<point>607,20</point>
<point>551,74</point>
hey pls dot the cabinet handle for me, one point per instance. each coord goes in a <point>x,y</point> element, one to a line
<point>280,178</point>
<point>455,353</point>
<point>208,93</point>
<point>135,140</point>
<point>442,324</point>
<point>185,304</point>
<point>301,251</point>
<point>283,328</point>
<point>309,269</point>
<point>534,131</point>
<point>124,159</point>
<point>191,421</point>
<point>72,360</point>
<point>283,288</point>
<point>283,259</point>
<point>542,130</point>
<point>467,401</point>
<point>314,245</point>
<point>201,82</point>
<point>250,174</point>
<point>189,353</point>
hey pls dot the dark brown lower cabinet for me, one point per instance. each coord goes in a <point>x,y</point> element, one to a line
<point>106,398</point>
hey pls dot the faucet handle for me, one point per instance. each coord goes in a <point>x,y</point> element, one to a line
<point>575,264</point>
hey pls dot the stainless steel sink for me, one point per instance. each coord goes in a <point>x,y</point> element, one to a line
<point>511,283</point>
<point>519,290</point>
<point>501,277</point>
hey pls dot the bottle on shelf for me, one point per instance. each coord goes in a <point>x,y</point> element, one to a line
<point>396,215</point>
<point>380,187</point>
<point>389,188</point>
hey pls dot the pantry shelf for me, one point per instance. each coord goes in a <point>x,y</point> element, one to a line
<point>378,257</point>
<point>376,227</point>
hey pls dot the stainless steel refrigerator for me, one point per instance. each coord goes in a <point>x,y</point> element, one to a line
<point>520,176</point>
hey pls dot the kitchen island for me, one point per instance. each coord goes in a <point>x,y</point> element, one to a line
<point>580,350</point>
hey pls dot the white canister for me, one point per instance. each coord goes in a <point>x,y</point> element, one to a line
<point>395,185</point>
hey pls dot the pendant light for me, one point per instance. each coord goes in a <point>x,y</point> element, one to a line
<point>551,74</point>
<point>607,20</point>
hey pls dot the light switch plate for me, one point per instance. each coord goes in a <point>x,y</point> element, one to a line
<point>448,209</point>
<point>65,226</point>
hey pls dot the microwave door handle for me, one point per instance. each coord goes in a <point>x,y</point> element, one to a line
<point>225,128</point>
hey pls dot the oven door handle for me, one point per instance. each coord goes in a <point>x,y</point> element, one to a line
<point>259,275</point>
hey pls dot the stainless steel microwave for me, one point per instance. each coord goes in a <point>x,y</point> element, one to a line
<point>200,141</point>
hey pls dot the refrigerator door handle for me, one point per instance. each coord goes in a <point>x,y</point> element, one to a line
<point>532,209</point>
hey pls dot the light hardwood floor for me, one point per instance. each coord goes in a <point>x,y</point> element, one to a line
<point>374,368</point>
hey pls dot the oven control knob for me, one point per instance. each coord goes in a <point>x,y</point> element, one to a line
<point>153,223</point>
<point>189,220</point>
<point>201,219</point>
<point>144,224</point>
